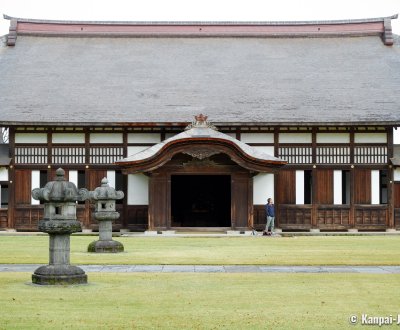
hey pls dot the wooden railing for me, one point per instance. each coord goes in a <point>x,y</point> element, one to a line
<point>294,216</point>
<point>137,217</point>
<point>289,216</point>
<point>27,217</point>
<point>397,218</point>
<point>333,217</point>
<point>3,218</point>
<point>370,216</point>
<point>328,217</point>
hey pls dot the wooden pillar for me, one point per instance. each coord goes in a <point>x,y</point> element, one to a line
<point>390,178</point>
<point>87,213</point>
<point>125,181</point>
<point>124,212</point>
<point>250,205</point>
<point>49,151</point>
<point>11,181</point>
<point>158,208</point>
<point>276,187</point>
<point>352,181</point>
<point>314,179</point>
<point>240,201</point>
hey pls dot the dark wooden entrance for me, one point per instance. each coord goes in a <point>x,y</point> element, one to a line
<point>200,178</point>
<point>200,200</point>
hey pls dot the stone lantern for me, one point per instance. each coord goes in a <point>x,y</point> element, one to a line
<point>59,197</point>
<point>104,198</point>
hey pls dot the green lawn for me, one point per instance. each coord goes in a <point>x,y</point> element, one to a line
<point>198,301</point>
<point>322,250</point>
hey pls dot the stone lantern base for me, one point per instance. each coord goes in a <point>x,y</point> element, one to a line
<point>59,275</point>
<point>59,271</point>
<point>108,246</point>
<point>105,244</point>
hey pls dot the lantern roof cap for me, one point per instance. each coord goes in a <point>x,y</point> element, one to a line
<point>60,190</point>
<point>105,192</point>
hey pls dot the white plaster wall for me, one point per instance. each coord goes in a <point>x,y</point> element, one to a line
<point>375,187</point>
<point>396,174</point>
<point>135,149</point>
<point>370,137</point>
<point>333,138</point>
<point>295,138</point>
<point>30,138</point>
<point>144,137</point>
<point>267,149</point>
<point>337,187</point>
<point>263,188</point>
<point>73,177</point>
<point>35,183</point>
<point>106,138</point>
<point>396,135</point>
<point>257,137</point>
<point>3,174</point>
<point>231,135</point>
<point>111,178</point>
<point>68,138</point>
<point>299,187</point>
<point>138,189</point>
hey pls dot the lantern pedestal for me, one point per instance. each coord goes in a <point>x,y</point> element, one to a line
<point>59,222</point>
<point>105,244</point>
<point>106,247</point>
<point>104,198</point>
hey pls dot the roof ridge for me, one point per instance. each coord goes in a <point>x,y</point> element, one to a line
<point>303,22</point>
<point>352,27</point>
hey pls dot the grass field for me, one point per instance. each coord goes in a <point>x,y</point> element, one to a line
<point>325,250</point>
<point>204,301</point>
<point>198,301</point>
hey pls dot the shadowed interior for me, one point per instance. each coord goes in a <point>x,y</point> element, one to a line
<point>201,200</point>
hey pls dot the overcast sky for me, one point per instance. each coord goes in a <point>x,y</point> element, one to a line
<point>204,10</point>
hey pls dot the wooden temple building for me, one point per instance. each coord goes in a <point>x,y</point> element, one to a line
<point>302,112</point>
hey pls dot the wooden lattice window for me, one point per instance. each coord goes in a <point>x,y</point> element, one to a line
<point>31,155</point>
<point>296,155</point>
<point>370,155</point>
<point>68,155</point>
<point>105,155</point>
<point>333,155</point>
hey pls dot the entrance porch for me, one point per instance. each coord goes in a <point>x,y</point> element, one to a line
<point>200,178</point>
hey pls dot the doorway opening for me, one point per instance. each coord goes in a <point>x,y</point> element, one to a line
<point>201,200</point>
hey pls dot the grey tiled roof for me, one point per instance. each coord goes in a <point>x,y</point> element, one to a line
<point>335,80</point>
<point>200,132</point>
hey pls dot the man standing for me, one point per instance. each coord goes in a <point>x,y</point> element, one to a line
<point>270,212</point>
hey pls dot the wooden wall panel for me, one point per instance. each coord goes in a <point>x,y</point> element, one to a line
<point>137,217</point>
<point>159,205</point>
<point>396,195</point>
<point>27,218</point>
<point>396,204</point>
<point>240,200</point>
<point>371,216</point>
<point>362,186</point>
<point>324,186</point>
<point>95,177</point>
<point>23,187</point>
<point>294,217</point>
<point>333,217</point>
<point>259,217</point>
<point>3,218</point>
<point>286,187</point>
